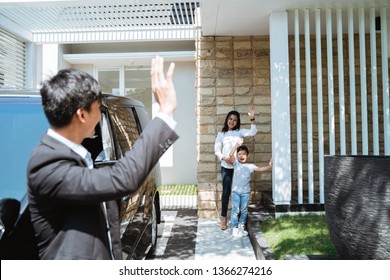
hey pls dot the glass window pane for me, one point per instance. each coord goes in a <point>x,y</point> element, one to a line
<point>108,145</point>
<point>137,86</point>
<point>109,80</point>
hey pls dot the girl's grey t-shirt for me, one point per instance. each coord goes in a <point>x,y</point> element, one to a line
<point>242,177</point>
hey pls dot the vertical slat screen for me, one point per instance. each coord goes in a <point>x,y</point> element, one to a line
<point>385,80</point>
<point>340,62</point>
<point>298,107</point>
<point>361,123</point>
<point>352,88</point>
<point>12,61</point>
<point>309,116</point>
<point>374,84</point>
<point>319,104</point>
<point>329,51</point>
<point>363,81</point>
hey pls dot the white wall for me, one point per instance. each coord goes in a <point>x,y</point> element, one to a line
<point>84,67</point>
<point>184,166</point>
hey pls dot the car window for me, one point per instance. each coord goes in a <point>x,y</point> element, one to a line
<point>101,144</point>
<point>21,126</point>
<point>126,128</point>
<point>107,153</point>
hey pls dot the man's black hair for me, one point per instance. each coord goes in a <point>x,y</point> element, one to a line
<point>65,93</point>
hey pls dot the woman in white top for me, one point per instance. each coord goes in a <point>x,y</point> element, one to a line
<point>225,141</point>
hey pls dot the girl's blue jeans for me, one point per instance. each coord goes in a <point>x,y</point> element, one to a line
<point>240,203</point>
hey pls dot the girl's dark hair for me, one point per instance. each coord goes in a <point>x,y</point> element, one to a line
<point>243,148</point>
<point>225,125</point>
<point>65,93</point>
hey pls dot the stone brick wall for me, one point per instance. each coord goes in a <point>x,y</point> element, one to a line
<point>232,73</point>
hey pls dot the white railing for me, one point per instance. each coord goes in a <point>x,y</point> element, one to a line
<point>366,131</point>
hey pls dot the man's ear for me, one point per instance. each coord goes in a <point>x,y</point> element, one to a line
<point>80,115</point>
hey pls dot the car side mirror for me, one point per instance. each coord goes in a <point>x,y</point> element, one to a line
<point>9,213</point>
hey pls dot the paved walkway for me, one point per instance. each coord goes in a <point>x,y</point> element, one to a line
<point>216,244</point>
<point>211,241</point>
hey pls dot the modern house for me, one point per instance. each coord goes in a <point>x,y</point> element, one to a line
<point>316,71</point>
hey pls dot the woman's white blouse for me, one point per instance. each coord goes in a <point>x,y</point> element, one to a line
<point>225,142</point>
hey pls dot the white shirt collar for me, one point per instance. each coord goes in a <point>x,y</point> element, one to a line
<point>77,148</point>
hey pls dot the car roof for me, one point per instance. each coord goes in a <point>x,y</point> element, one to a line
<point>19,98</point>
<point>29,95</point>
<point>117,100</point>
<point>19,92</point>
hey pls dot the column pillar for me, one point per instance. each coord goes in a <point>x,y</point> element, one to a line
<point>49,60</point>
<point>280,102</point>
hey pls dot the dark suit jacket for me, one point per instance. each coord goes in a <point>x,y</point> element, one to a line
<point>65,197</point>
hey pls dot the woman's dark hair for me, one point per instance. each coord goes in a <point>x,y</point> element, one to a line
<point>243,148</point>
<point>225,125</point>
<point>65,93</point>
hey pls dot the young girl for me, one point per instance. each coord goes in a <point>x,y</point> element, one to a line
<point>241,188</point>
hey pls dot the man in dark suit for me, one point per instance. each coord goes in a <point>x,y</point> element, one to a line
<point>72,205</point>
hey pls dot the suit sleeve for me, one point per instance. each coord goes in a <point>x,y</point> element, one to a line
<point>61,178</point>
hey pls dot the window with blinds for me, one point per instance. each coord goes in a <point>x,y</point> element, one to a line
<point>12,61</point>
